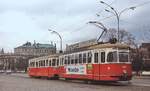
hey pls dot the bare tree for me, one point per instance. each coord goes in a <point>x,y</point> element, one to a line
<point>124,36</point>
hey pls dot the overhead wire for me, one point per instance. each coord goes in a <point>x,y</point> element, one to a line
<point>87,18</point>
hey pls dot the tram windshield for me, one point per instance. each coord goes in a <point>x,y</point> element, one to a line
<point>115,56</point>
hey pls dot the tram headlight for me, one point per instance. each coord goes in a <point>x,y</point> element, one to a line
<point>108,68</point>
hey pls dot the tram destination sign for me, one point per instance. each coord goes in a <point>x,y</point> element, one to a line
<point>76,69</point>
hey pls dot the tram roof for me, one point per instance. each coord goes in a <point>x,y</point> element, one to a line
<point>46,57</point>
<point>100,46</point>
<point>108,45</point>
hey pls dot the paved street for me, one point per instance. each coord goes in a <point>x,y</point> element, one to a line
<point>21,82</point>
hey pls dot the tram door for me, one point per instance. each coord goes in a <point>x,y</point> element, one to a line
<point>96,66</point>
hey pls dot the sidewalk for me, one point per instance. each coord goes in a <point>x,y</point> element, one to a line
<point>20,74</point>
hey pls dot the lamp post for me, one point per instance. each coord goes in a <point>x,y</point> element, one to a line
<point>52,31</point>
<point>117,14</point>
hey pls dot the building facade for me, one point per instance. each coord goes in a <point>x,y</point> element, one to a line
<point>145,52</point>
<point>77,46</point>
<point>35,49</point>
<point>18,61</point>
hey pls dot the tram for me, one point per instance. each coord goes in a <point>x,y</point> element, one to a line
<point>46,66</point>
<point>99,62</point>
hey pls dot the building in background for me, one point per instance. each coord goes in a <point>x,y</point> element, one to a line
<point>80,45</point>
<point>145,52</point>
<point>35,49</point>
<point>18,61</point>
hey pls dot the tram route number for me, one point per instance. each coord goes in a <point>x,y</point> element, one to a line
<point>76,69</point>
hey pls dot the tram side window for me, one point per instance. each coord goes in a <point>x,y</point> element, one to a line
<point>112,57</point>
<point>50,63</point>
<point>46,62</point>
<point>72,59</point>
<point>65,59</point>
<point>31,64</point>
<point>69,60</point>
<point>57,62</point>
<point>123,57</point>
<point>76,58</point>
<point>39,63</point>
<point>89,57</point>
<point>43,62</point>
<point>53,62</point>
<point>84,57</point>
<point>102,57</point>
<point>80,58</point>
<point>62,61</point>
<point>95,57</point>
<point>36,64</point>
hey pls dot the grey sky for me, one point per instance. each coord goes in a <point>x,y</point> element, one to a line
<point>29,20</point>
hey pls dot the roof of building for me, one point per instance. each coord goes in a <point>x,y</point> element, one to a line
<point>36,45</point>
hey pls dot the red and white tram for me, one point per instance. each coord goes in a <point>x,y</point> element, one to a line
<point>100,62</point>
<point>46,66</point>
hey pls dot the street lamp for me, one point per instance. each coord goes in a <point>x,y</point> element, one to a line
<point>52,31</point>
<point>117,14</point>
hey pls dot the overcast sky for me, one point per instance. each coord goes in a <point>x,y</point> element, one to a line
<point>29,20</point>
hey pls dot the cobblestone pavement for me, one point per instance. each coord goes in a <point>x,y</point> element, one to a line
<point>21,82</point>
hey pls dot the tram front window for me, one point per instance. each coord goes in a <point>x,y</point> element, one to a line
<point>112,56</point>
<point>123,57</point>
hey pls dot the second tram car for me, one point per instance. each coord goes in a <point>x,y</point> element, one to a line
<point>100,62</point>
<point>46,66</point>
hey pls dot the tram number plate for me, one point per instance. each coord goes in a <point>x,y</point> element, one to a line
<point>76,69</point>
